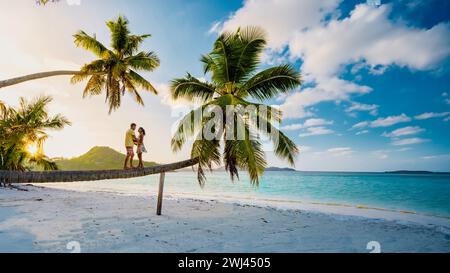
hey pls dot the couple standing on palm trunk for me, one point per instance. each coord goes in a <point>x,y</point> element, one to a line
<point>130,141</point>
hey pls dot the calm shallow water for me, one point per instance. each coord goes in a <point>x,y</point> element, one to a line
<point>426,194</point>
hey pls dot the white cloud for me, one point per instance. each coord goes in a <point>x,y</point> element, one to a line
<point>317,122</point>
<point>326,89</point>
<point>381,154</point>
<point>215,28</point>
<point>447,119</point>
<point>406,131</point>
<point>431,115</point>
<point>368,38</point>
<point>304,149</point>
<point>409,141</point>
<point>360,107</point>
<point>389,121</point>
<point>384,154</point>
<point>341,151</point>
<point>445,95</point>
<point>292,127</point>
<point>316,131</point>
<point>281,18</point>
<point>363,132</point>
<point>308,123</point>
<point>73,2</point>
<point>382,122</point>
<point>431,157</point>
<point>413,4</point>
<point>360,125</point>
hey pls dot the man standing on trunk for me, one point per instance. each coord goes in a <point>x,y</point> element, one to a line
<point>130,141</point>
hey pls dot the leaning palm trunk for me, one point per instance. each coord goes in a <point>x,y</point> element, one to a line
<point>36,76</point>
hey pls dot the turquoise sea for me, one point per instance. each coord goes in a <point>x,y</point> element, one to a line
<point>423,194</point>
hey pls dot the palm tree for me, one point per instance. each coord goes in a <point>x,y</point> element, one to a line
<point>115,70</point>
<point>233,64</point>
<point>27,127</point>
<point>2,107</point>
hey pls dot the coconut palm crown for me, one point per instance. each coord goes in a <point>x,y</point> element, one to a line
<point>232,66</point>
<point>24,127</point>
<point>115,70</point>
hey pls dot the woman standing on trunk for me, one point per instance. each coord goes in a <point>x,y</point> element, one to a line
<point>140,146</point>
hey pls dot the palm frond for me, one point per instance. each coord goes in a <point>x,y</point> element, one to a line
<point>44,162</point>
<point>208,153</point>
<point>271,82</point>
<point>217,62</point>
<point>250,156</point>
<point>90,43</point>
<point>134,41</point>
<point>235,55</point>
<point>94,86</point>
<point>208,63</point>
<point>79,78</point>
<point>2,108</point>
<point>187,127</point>
<point>250,42</point>
<point>230,159</point>
<point>113,93</point>
<point>147,61</point>
<point>119,34</point>
<point>265,115</point>
<point>284,147</point>
<point>129,86</point>
<point>138,80</point>
<point>95,68</point>
<point>56,122</point>
<point>192,88</point>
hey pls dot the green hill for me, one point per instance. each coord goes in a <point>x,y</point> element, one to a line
<point>98,158</point>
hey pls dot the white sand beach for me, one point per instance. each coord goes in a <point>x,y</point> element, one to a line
<point>102,218</point>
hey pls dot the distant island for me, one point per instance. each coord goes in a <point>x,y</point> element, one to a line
<point>268,169</point>
<point>97,158</point>
<point>276,169</point>
<point>414,172</point>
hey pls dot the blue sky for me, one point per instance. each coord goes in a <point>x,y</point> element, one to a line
<point>383,67</point>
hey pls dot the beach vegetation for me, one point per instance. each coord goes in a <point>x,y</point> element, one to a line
<point>23,132</point>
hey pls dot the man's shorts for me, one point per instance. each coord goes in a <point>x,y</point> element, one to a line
<point>130,151</point>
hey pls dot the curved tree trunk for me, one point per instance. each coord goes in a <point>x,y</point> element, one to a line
<point>8,177</point>
<point>36,76</point>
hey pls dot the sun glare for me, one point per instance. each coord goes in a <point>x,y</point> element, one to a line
<point>32,149</point>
